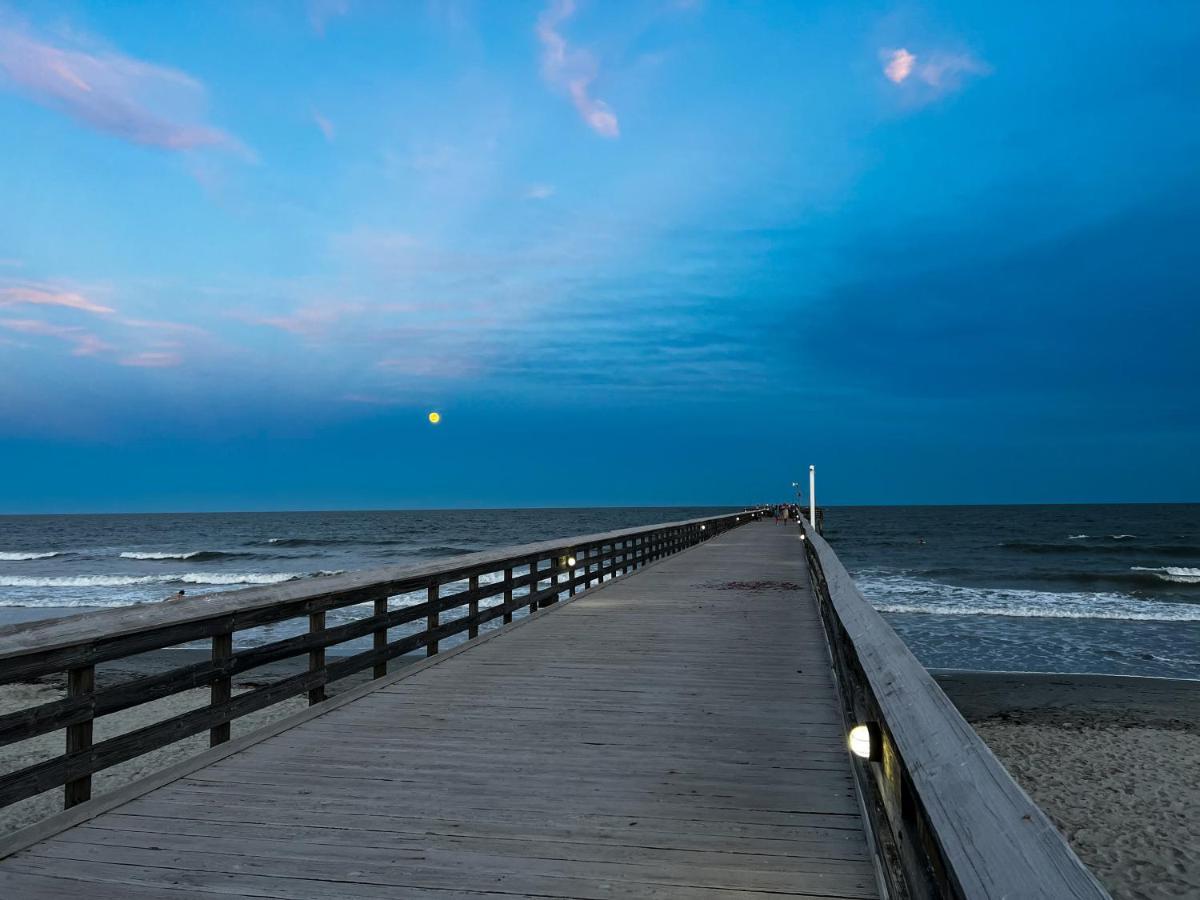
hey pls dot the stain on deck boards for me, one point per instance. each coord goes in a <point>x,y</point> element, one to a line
<point>674,733</point>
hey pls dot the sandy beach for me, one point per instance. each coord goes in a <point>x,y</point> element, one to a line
<point>1111,759</point>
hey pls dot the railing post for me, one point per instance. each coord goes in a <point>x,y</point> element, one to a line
<point>473,606</point>
<point>316,657</point>
<point>80,681</point>
<point>379,638</point>
<point>432,618</point>
<point>508,591</point>
<point>533,583</point>
<point>221,690</point>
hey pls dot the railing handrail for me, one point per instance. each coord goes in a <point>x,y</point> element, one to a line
<point>75,646</point>
<point>50,634</point>
<point>937,784</point>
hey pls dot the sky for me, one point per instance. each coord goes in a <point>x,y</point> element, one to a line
<point>651,253</point>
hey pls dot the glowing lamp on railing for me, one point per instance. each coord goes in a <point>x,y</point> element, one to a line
<point>702,527</point>
<point>866,741</point>
<point>567,562</point>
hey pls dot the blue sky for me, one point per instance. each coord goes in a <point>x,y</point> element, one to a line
<point>635,253</point>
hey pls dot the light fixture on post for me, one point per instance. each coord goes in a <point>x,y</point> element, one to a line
<point>866,741</point>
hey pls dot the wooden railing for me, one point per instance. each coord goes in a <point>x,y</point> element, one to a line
<point>516,581</point>
<point>947,820</point>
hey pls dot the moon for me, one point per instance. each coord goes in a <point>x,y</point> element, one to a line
<point>434,418</point>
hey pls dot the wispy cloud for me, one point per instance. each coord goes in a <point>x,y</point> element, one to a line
<point>539,192</point>
<point>85,343</point>
<point>45,295</point>
<point>934,73</point>
<point>572,70</point>
<point>136,101</point>
<point>322,12</point>
<point>325,125</point>
<point>151,360</point>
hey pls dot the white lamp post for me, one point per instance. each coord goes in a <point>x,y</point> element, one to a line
<point>812,496</point>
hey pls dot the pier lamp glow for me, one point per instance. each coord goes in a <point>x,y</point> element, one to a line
<point>701,527</point>
<point>567,561</point>
<point>866,741</point>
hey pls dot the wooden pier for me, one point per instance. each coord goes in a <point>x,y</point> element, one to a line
<point>677,730</point>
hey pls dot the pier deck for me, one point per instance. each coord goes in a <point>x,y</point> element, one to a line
<point>673,733</point>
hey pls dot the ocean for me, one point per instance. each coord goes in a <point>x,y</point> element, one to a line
<point>1101,589</point>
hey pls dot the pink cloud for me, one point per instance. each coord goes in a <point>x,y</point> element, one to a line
<point>86,343</point>
<point>934,74</point>
<point>151,360</point>
<point>136,101</point>
<point>572,70</point>
<point>899,64</point>
<point>43,295</point>
<point>156,325</point>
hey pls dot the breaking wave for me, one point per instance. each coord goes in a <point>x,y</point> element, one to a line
<point>207,578</point>
<point>901,594</point>
<point>1174,574</point>
<point>195,555</point>
<point>18,556</point>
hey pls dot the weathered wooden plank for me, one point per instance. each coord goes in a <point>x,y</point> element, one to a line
<point>619,752</point>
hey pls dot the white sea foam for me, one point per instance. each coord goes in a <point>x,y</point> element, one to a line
<point>18,556</point>
<point>130,554</point>
<point>1078,537</point>
<point>1176,574</point>
<point>902,594</point>
<point>1122,537</point>
<point>211,578</point>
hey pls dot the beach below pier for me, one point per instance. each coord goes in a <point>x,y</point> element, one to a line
<point>1111,759</point>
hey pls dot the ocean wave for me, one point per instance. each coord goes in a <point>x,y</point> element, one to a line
<point>1174,574</point>
<point>1183,551</point>
<point>201,578</point>
<point>194,556</point>
<point>1077,537</point>
<point>19,556</point>
<point>329,542</point>
<point>1122,537</point>
<point>446,551</point>
<point>901,594</point>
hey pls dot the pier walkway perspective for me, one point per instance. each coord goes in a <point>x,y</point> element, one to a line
<point>677,730</point>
